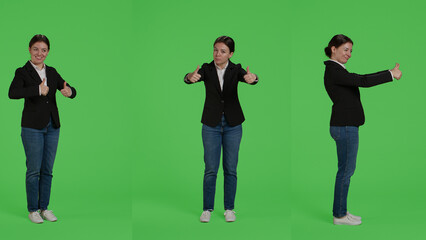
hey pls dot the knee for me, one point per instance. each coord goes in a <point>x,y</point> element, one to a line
<point>210,171</point>
<point>228,172</point>
<point>350,173</point>
<point>45,172</point>
<point>32,174</point>
<point>230,169</point>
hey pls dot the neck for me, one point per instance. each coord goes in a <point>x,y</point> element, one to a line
<point>336,60</point>
<point>222,66</point>
<point>40,65</point>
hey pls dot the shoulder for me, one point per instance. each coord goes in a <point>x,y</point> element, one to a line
<point>332,64</point>
<point>23,69</point>
<point>49,68</point>
<point>237,66</point>
<point>208,65</point>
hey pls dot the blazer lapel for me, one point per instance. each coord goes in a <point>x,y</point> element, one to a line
<point>32,72</point>
<point>50,79</point>
<point>228,75</point>
<point>215,76</point>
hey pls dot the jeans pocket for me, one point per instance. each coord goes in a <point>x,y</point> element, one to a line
<point>335,132</point>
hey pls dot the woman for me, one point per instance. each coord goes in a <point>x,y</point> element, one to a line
<point>222,119</point>
<point>37,84</point>
<point>346,116</point>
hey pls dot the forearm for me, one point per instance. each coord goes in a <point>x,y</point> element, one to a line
<point>20,92</point>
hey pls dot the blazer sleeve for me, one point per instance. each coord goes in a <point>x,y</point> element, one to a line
<point>18,89</point>
<point>243,72</point>
<point>60,85</point>
<point>344,78</point>
<point>201,71</point>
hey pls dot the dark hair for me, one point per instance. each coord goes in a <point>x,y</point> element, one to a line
<point>336,41</point>
<point>228,41</point>
<point>39,38</point>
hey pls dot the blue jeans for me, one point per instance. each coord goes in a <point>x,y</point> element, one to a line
<point>40,150</point>
<point>214,139</point>
<point>347,139</point>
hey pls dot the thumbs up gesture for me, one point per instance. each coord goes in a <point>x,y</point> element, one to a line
<point>66,91</point>
<point>194,76</point>
<point>396,72</point>
<point>250,77</point>
<point>44,89</point>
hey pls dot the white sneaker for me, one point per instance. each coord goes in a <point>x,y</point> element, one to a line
<point>205,216</point>
<point>346,220</point>
<point>229,216</point>
<point>48,215</point>
<point>353,216</point>
<point>35,217</point>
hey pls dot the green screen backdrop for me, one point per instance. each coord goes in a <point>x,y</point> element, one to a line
<point>130,156</point>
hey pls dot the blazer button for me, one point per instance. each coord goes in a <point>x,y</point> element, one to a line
<point>222,101</point>
<point>47,101</point>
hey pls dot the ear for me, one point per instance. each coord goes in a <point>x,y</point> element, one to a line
<point>230,55</point>
<point>333,49</point>
<point>29,49</point>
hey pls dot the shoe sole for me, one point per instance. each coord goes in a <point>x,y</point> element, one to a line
<point>37,222</point>
<point>51,220</point>
<point>356,224</point>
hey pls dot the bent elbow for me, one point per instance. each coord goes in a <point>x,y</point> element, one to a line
<point>12,95</point>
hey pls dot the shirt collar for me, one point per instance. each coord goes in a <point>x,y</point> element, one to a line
<point>36,68</point>
<point>217,67</point>
<point>338,63</point>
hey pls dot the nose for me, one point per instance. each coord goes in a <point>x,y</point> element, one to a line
<point>349,55</point>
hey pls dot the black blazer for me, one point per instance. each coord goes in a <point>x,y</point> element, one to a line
<point>37,109</point>
<point>222,102</point>
<point>342,87</point>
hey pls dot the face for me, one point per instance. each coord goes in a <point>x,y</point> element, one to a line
<point>38,52</point>
<point>221,54</point>
<point>342,53</point>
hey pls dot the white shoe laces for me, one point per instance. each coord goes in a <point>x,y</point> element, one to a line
<point>229,211</point>
<point>205,213</point>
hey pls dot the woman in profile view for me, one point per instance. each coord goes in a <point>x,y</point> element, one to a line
<point>346,117</point>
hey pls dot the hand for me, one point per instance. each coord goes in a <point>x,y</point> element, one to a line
<point>250,77</point>
<point>66,91</point>
<point>43,88</point>
<point>396,72</point>
<point>194,76</point>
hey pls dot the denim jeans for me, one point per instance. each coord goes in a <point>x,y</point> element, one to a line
<point>347,139</point>
<point>214,139</point>
<point>40,150</point>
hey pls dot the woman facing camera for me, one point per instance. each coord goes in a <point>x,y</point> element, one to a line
<point>346,117</point>
<point>37,84</point>
<point>222,119</point>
